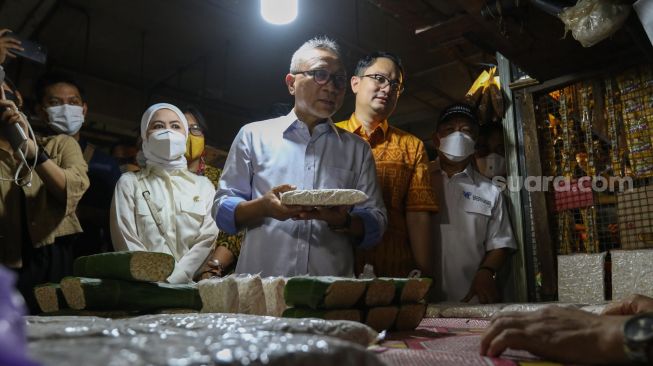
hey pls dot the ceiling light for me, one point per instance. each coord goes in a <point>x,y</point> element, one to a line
<point>279,12</point>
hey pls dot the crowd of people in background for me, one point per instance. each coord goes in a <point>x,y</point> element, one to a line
<point>169,199</point>
<point>62,196</point>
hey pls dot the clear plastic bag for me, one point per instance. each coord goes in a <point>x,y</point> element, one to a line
<point>199,339</point>
<point>591,21</point>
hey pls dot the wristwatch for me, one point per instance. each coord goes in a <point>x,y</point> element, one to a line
<point>638,337</point>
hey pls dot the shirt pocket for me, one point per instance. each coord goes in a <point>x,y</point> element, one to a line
<point>143,209</point>
<point>145,223</point>
<point>337,178</point>
<point>192,213</point>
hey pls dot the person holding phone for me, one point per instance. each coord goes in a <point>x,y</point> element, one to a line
<point>38,224</point>
<point>7,45</point>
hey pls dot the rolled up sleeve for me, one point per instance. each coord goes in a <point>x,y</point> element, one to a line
<point>234,186</point>
<point>75,170</point>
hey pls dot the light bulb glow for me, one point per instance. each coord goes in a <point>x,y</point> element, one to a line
<point>279,12</point>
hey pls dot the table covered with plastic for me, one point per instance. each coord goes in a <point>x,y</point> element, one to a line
<point>198,339</point>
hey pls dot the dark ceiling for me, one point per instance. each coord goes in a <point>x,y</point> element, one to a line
<point>221,56</point>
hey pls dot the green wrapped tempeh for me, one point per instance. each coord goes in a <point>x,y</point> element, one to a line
<point>379,292</point>
<point>409,316</point>
<point>381,318</point>
<point>410,290</point>
<point>324,292</point>
<point>129,266</point>
<point>49,297</point>
<point>96,294</point>
<point>347,314</point>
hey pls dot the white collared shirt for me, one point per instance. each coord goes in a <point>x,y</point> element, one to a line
<point>184,202</point>
<point>473,219</point>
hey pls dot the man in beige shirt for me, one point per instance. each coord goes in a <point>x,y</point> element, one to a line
<point>37,211</point>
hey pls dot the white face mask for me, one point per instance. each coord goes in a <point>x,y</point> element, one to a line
<point>457,146</point>
<point>167,144</point>
<point>66,119</point>
<point>492,165</point>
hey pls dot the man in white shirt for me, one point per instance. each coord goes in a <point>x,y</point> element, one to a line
<point>473,236</point>
<point>302,150</point>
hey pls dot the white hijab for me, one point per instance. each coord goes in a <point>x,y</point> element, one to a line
<point>150,158</point>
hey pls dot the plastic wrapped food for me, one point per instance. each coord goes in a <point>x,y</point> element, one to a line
<point>251,298</point>
<point>580,278</point>
<point>200,339</point>
<point>591,21</point>
<point>631,273</point>
<point>323,197</point>
<point>527,307</point>
<point>219,295</point>
<point>471,310</point>
<point>273,288</point>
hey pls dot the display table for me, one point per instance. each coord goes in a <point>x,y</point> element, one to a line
<point>446,341</point>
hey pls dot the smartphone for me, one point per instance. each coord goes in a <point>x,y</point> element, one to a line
<point>14,131</point>
<point>32,50</point>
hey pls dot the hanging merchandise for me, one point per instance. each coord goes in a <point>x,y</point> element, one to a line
<point>485,94</point>
<point>591,21</point>
<point>636,88</point>
<point>616,150</point>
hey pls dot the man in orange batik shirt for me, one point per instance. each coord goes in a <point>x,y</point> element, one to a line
<point>402,170</point>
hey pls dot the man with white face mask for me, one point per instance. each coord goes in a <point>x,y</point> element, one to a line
<point>473,236</point>
<point>490,151</point>
<point>61,104</point>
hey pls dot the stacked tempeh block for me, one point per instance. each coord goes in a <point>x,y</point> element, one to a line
<point>381,303</point>
<point>124,282</point>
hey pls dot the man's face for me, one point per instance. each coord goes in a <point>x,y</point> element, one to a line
<point>455,124</point>
<point>312,99</point>
<point>60,94</point>
<point>490,143</point>
<point>370,92</point>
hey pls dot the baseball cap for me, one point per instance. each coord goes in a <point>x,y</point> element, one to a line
<point>458,110</point>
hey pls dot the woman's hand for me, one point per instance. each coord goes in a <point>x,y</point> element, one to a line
<point>7,44</point>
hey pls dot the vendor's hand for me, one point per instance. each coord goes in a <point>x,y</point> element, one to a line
<point>334,216</point>
<point>633,304</point>
<point>557,334</point>
<point>7,44</point>
<point>273,206</point>
<point>484,286</point>
<point>211,268</point>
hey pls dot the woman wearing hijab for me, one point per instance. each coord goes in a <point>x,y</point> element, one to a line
<point>164,207</point>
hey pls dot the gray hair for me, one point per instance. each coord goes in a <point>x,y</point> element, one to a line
<point>323,42</point>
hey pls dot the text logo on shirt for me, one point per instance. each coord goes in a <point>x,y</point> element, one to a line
<point>473,197</point>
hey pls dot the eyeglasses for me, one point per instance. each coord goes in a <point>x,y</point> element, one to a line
<point>382,82</point>
<point>195,130</point>
<point>322,77</point>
